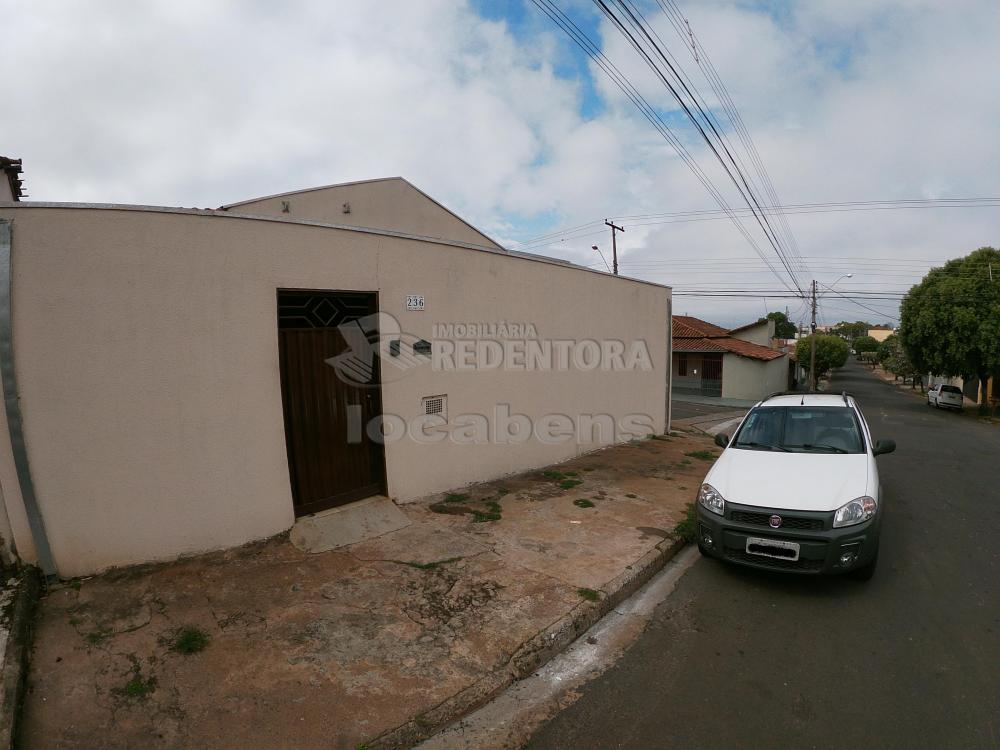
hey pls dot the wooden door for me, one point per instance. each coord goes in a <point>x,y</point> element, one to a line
<point>331,458</point>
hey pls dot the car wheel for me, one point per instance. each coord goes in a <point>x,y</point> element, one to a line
<point>865,572</point>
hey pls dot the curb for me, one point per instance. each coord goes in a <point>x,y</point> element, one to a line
<point>15,667</point>
<point>533,653</point>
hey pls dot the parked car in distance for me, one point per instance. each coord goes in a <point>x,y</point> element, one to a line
<point>797,489</point>
<point>948,396</point>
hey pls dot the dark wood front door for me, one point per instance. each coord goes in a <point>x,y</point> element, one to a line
<point>330,392</point>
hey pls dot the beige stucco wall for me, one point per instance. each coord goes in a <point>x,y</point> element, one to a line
<point>6,194</point>
<point>752,379</point>
<point>392,203</point>
<point>147,360</point>
<point>761,333</point>
<point>879,334</point>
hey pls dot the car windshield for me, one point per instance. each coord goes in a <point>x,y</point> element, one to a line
<point>950,389</point>
<point>801,429</point>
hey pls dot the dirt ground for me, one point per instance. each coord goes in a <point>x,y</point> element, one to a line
<point>331,650</point>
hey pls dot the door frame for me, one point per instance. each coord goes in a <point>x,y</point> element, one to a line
<point>341,499</point>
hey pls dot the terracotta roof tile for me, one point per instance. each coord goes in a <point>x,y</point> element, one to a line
<point>695,335</point>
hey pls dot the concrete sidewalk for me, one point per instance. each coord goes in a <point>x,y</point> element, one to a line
<point>376,644</point>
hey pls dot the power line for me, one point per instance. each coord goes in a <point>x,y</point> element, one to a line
<point>550,9</point>
<point>684,217</point>
<point>736,176</point>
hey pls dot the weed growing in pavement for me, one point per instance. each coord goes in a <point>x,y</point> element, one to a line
<point>189,640</point>
<point>583,503</point>
<point>568,484</point>
<point>687,529</point>
<point>589,594</point>
<point>703,455</point>
<point>137,687</point>
<point>97,637</point>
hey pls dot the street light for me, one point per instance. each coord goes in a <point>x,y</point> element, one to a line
<point>812,336</point>
<point>595,247</point>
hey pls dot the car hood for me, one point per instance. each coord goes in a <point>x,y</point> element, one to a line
<point>790,481</point>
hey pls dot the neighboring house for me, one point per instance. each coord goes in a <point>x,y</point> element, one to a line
<point>880,333</point>
<point>709,360</point>
<point>189,380</point>
<point>11,185</point>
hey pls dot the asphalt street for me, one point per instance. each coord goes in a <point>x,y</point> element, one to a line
<point>737,658</point>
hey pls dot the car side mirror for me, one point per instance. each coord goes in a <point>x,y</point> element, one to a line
<point>721,439</point>
<point>884,446</point>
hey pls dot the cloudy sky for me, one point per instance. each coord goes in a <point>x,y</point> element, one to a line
<point>489,107</point>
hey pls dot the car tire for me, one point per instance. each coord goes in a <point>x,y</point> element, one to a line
<point>865,572</point>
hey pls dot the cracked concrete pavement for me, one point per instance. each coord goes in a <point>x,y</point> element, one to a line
<point>345,647</point>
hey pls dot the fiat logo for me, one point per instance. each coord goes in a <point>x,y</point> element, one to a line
<point>775,521</point>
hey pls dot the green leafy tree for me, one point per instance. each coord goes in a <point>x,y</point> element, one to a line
<point>783,327</point>
<point>893,358</point>
<point>950,321</point>
<point>864,344</point>
<point>851,331</point>
<point>831,352</point>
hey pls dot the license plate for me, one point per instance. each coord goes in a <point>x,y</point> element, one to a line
<point>773,548</point>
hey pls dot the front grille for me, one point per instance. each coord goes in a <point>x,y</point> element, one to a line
<point>787,522</point>
<point>804,565</point>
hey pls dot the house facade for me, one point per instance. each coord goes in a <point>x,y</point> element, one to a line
<point>711,361</point>
<point>180,380</point>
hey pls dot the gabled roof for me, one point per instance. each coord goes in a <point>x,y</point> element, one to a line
<point>489,240</point>
<point>696,335</point>
<point>685,326</point>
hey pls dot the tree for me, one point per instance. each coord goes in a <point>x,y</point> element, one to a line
<point>950,321</point>
<point>831,351</point>
<point>851,331</point>
<point>864,344</point>
<point>893,358</point>
<point>783,327</point>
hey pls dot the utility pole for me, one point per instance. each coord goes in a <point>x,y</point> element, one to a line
<point>614,245</point>
<point>812,343</point>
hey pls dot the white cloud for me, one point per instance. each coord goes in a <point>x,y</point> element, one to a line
<point>194,103</point>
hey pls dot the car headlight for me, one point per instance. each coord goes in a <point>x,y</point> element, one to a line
<point>860,509</point>
<point>711,500</point>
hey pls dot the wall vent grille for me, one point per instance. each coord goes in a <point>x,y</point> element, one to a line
<point>435,405</point>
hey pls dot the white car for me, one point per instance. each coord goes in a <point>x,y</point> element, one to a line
<point>948,396</point>
<point>797,489</point>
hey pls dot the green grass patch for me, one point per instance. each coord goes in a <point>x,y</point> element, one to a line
<point>568,484</point>
<point>572,473</point>
<point>479,516</point>
<point>583,503</point>
<point>97,637</point>
<point>589,594</point>
<point>555,476</point>
<point>661,437</point>
<point>137,687</point>
<point>702,455</point>
<point>688,528</point>
<point>456,497</point>
<point>189,640</point>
